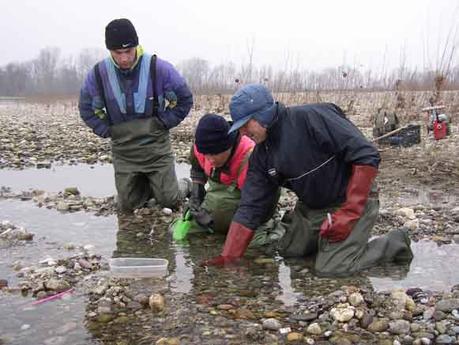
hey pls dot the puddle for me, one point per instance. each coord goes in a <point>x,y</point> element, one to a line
<point>91,180</point>
<point>421,196</point>
<point>433,267</point>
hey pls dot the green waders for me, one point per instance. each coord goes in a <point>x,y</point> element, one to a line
<point>222,201</point>
<point>144,164</point>
<point>349,256</point>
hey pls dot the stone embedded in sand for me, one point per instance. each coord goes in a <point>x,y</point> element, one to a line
<point>157,302</point>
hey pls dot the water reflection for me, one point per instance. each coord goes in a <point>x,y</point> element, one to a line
<point>182,279</point>
<point>433,267</point>
<point>91,180</point>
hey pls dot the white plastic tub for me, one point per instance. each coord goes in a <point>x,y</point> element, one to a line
<point>138,267</point>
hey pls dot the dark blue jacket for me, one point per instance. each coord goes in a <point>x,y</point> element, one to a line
<point>310,150</point>
<point>125,100</point>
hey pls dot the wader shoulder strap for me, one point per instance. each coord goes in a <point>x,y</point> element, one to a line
<point>100,87</point>
<point>153,85</point>
<point>244,162</point>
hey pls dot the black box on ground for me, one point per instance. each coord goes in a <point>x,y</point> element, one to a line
<point>406,137</point>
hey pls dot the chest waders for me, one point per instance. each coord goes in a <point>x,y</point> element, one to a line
<point>352,255</point>
<point>142,157</point>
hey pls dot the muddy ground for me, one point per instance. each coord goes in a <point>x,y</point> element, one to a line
<point>275,302</point>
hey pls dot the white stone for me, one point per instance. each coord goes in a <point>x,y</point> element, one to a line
<point>167,211</point>
<point>406,212</point>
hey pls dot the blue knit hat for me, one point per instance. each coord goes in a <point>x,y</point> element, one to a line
<point>212,135</point>
<point>251,101</point>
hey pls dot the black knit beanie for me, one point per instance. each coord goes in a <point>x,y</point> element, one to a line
<point>212,135</point>
<point>120,34</point>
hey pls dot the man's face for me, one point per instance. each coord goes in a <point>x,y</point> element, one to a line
<point>219,159</point>
<point>124,58</point>
<point>254,131</point>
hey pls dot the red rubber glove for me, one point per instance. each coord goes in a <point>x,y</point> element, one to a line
<point>237,241</point>
<point>344,219</point>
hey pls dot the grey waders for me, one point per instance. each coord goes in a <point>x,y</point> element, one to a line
<point>352,255</point>
<point>144,164</point>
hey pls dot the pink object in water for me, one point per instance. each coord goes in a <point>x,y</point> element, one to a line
<point>53,297</point>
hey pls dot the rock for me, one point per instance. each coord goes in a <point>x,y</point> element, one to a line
<point>314,328</point>
<point>441,327</point>
<point>439,315</point>
<point>244,314</point>
<point>168,341</point>
<point>62,206</point>
<point>412,224</point>
<point>85,264</point>
<point>342,313</point>
<point>60,269</point>
<point>3,283</point>
<point>428,313</point>
<point>366,320</point>
<point>447,304</point>
<point>307,316</point>
<point>406,212</point>
<point>157,302</point>
<point>25,327</point>
<point>399,327</point>
<point>444,339</point>
<point>167,211</point>
<point>340,341</point>
<point>272,324</point>
<point>99,289</point>
<point>294,336</point>
<point>355,299</point>
<point>57,285</point>
<point>142,299</point>
<point>71,191</point>
<point>225,306</point>
<point>399,299</point>
<point>379,325</point>
<point>104,318</point>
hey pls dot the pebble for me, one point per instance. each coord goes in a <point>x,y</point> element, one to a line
<point>167,211</point>
<point>272,324</point>
<point>157,302</point>
<point>314,328</point>
<point>342,313</point>
<point>445,339</point>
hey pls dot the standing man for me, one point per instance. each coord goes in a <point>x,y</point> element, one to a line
<point>317,153</point>
<point>134,99</point>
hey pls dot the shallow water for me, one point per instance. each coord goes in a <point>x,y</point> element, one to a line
<point>271,282</point>
<point>91,180</point>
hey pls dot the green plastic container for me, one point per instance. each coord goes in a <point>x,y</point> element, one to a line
<point>181,226</point>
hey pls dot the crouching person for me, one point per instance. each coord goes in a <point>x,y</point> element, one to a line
<point>326,161</point>
<point>219,160</point>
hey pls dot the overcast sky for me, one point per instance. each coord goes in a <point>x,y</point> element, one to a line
<point>310,34</point>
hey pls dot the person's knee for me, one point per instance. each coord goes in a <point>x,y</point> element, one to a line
<point>169,200</point>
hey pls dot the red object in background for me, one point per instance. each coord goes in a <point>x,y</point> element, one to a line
<point>439,129</point>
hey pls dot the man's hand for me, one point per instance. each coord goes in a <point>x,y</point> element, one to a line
<point>221,261</point>
<point>202,217</point>
<point>338,226</point>
<point>237,241</point>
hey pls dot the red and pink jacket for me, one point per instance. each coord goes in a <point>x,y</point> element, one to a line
<point>233,172</point>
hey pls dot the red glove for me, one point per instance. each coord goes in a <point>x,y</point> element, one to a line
<point>236,243</point>
<point>344,219</point>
